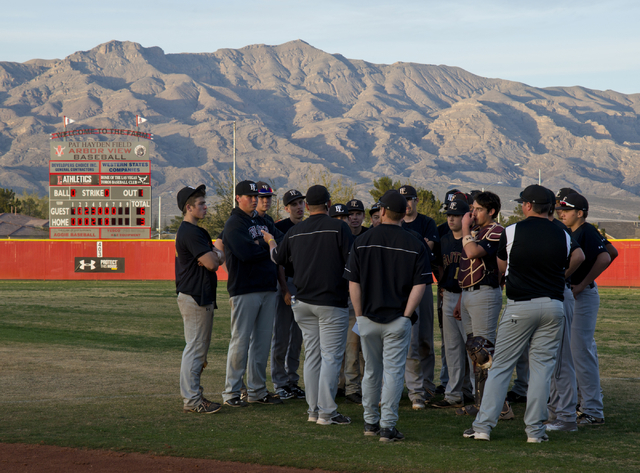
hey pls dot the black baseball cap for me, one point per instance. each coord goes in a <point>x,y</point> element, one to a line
<point>355,205</point>
<point>534,194</point>
<point>264,189</point>
<point>290,196</point>
<point>457,207</point>
<point>463,197</point>
<point>408,192</point>
<point>565,191</point>
<point>318,195</point>
<point>394,201</point>
<point>448,197</point>
<point>185,193</point>
<point>574,201</point>
<point>246,188</point>
<point>375,208</point>
<point>338,210</point>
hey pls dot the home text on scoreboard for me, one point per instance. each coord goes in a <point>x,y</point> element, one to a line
<point>100,198</point>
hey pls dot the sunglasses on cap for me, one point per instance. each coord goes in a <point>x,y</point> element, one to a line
<point>564,203</point>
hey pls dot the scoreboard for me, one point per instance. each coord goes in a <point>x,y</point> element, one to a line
<point>99,199</point>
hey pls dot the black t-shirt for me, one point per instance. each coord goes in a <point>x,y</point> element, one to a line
<point>319,248</point>
<point>449,259</point>
<point>284,226</point>
<point>537,253</point>
<point>387,262</point>
<point>591,242</point>
<point>197,281</point>
<point>425,226</point>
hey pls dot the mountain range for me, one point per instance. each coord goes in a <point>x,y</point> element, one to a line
<point>300,111</point>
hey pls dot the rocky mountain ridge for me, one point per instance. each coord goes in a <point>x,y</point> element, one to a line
<point>300,111</point>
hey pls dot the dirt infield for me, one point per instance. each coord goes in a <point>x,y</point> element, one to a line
<point>23,458</point>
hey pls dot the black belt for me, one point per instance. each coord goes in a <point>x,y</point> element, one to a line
<point>590,286</point>
<point>475,287</point>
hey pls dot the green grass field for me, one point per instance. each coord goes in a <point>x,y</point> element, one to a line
<point>96,364</point>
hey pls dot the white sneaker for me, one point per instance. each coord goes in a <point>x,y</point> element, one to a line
<point>472,434</point>
<point>544,438</point>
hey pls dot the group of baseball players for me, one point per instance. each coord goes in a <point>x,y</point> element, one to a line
<point>359,299</point>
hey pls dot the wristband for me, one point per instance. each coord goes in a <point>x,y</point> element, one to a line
<point>467,239</point>
<point>270,241</point>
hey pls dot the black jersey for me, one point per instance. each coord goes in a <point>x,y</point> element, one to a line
<point>318,248</point>
<point>197,281</point>
<point>537,252</point>
<point>448,258</point>
<point>425,226</point>
<point>387,262</point>
<point>284,226</point>
<point>592,243</point>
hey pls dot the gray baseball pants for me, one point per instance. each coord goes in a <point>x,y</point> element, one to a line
<point>538,322</point>
<point>585,351</point>
<point>251,330</point>
<point>459,364</point>
<point>385,348</point>
<point>286,343</point>
<point>324,329</point>
<point>421,359</point>
<point>198,321</point>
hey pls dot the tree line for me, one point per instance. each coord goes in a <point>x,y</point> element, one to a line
<point>30,204</point>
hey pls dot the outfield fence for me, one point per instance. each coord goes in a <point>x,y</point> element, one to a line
<point>155,260</point>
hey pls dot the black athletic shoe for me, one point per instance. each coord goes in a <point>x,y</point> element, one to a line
<point>205,407</point>
<point>297,391</point>
<point>356,398</point>
<point>514,398</point>
<point>236,402</point>
<point>269,399</point>
<point>340,393</point>
<point>390,435</point>
<point>285,393</point>
<point>336,419</point>
<point>371,430</point>
<point>440,390</point>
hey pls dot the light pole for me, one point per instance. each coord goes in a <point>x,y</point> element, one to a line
<point>160,214</point>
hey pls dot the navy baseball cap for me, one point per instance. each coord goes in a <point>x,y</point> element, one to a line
<point>408,192</point>
<point>290,196</point>
<point>457,207</point>
<point>355,205</point>
<point>394,201</point>
<point>375,208</point>
<point>264,189</point>
<point>534,194</point>
<point>185,193</point>
<point>338,210</point>
<point>247,188</point>
<point>318,195</point>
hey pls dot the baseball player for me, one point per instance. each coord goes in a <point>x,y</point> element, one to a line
<point>479,279</point>
<point>388,272</point>
<point>265,197</point>
<point>421,360</point>
<point>340,212</point>
<point>355,208</point>
<point>252,287</point>
<point>454,335</point>
<point>374,213</point>
<point>318,248</point>
<point>535,277</point>
<point>287,337</point>
<point>574,210</point>
<point>563,390</point>
<point>196,265</point>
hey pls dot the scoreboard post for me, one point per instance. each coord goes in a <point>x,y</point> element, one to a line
<point>100,190</point>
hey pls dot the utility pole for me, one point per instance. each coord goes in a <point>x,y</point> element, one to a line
<point>233,203</point>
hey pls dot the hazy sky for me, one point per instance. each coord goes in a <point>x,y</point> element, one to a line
<point>595,44</point>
